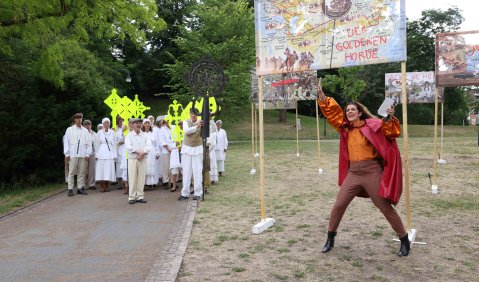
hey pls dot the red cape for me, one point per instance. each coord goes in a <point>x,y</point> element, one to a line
<point>391,180</point>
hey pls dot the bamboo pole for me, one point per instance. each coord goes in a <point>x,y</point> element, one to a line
<point>406,146</point>
<point>297,131</point>
<point>319,143</point>
<point>435,137</point>
<point>261,147</point>
<point>252,135</point>
<point>256,129</point>
<point>442,131</point>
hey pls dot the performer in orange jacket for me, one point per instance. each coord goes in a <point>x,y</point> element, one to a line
<point>369,163</point>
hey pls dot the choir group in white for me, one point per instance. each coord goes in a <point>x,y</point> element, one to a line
<point>147,156</point>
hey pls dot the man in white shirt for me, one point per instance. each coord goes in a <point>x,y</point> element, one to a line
<point>138,145</point>
<point>221,147</point>
<point>91,160</point>
<point>77,150</point>
<point>192,157</point>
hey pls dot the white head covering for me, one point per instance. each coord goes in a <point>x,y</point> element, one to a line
<point>99,126</point>
<point>159,118</point>
<point>104,120</point>
<point>146,120</point>
<point>219,121</point>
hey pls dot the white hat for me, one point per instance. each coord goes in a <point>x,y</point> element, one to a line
<point>146,120</point>
<point>105,120</point>
<point>159,118</point>
<point>219,121</point>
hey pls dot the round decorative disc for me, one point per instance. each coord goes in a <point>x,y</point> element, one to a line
<point>206,77</point>
<point>336,8</point>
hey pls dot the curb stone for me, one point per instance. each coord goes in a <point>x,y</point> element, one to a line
<point>169,260</point>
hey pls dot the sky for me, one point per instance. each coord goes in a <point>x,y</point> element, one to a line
<point>469,9</point>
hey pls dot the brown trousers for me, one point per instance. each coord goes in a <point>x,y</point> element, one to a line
<point>364,175</point>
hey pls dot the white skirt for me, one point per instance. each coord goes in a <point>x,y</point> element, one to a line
<point>151,180</point>
<point>105,170</point>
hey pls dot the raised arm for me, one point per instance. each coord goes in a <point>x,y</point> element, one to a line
<point>330,109</point>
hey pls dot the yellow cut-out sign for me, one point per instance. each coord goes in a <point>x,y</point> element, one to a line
<point>124,107</point>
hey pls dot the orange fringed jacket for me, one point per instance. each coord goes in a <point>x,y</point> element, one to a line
<point>382,136</point>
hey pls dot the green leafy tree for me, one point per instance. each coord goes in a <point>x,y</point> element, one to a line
<point>223,30</point>
<point>58,58</point>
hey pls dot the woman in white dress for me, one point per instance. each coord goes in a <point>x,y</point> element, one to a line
<point>105,155</point>
<point>165,140</point>
<point>121,151</point>
<point>175,162</point>
<point>151,175</point>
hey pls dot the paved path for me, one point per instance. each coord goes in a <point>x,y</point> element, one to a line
<point>98,237</point>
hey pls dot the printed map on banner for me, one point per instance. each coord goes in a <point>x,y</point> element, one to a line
<point>420,87</point>
<point>281,91</point>
<point>457,58</point>
<point>293,35</point>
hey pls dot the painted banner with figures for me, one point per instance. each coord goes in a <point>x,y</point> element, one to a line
<point>420,87</point>
<point>457,58</point>
<point>282,91</point>
<point>310,34</point>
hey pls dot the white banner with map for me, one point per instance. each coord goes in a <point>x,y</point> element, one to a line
<point>303,35</point>
<point>420,87</point>
<point>282,91</point>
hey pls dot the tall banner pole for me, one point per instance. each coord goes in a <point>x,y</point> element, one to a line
<point>434,187</point>
<point>406,146</point>
<point>253,170</point>
<point>441,158</point>
<point>256,126</point>
<point>297,131</point>
<point>320,169</point>
<point>265,223</point>
<point>261,147</point>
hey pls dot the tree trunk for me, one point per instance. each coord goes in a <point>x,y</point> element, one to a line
<point>282,115</point>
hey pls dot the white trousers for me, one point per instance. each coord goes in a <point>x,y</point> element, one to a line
<point>165,167</point>
<point>77,167</point>
<point>213,167</point>
<point>221,166</point>
<point>192,166</point>
<point>136,178</point>
<point>91,171</point>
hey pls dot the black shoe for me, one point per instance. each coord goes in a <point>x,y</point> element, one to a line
<point>70,192</point>
<point>221,174</point>
<point>206,191</point>
<point>329,242</point>
<point>196,197</point>
<point>192,192</point>
<point>182,198</point>
<point>131,202</point>
<point>405,246</point>
<point>82,192</point>
<point>92,188</point>
<point>143,201</point>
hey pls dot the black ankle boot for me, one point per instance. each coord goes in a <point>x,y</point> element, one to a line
<point>405,246</point>
<point>330,242</point>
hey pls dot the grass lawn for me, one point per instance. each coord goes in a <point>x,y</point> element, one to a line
<point>239,131</point>
<point>21,197</point>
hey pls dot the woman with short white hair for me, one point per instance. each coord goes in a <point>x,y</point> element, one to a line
<point>105,155</point>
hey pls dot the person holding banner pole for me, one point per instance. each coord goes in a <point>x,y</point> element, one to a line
<point>369,164</point>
